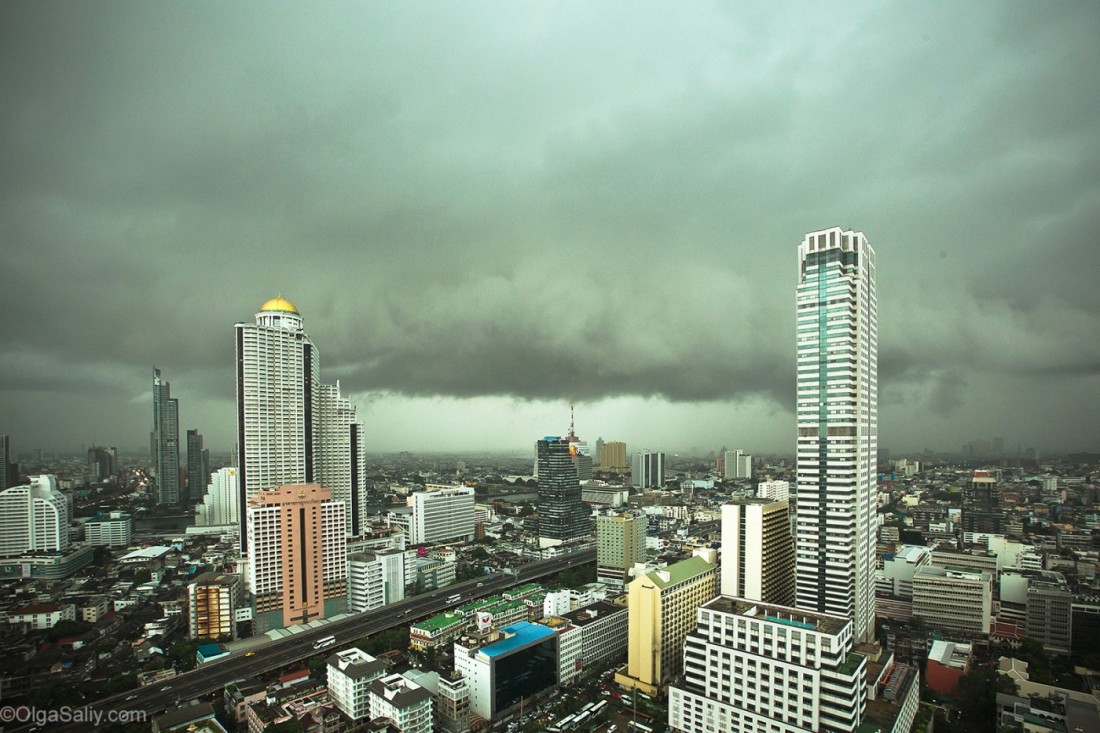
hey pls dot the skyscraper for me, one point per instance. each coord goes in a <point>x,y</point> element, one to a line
<point>297,555</point>
<point>620,542</point>
<point>34,518</point>
<point>165,441</point>
<point>342,459</point>
<point>647,470</point>
<point>277,384</point>
<point>757,551</point>
<point>198,467</point>
<point>563,517</point>
<point>5,461</point>
<point>291,429</point>
<point>837,412</point>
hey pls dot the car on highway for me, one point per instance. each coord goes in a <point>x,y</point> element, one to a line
<point>166,688</point>
<point>250,654</point>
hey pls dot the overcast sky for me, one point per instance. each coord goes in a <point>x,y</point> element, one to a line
<point>485,211</point>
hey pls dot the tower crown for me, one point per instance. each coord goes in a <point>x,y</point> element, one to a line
<point>281,304</point>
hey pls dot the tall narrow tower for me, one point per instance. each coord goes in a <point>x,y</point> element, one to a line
<point>837,440</point>
<point>165,441</point>
<point>562,514</point>
<point>277,396</point>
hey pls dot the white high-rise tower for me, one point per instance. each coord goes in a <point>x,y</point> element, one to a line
<point>837,427</point>
<point>277,396</point>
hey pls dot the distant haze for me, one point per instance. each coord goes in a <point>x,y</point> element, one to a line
<point>486,211</point>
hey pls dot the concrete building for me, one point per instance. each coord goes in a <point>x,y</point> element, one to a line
<point>981,505</point>
<point>613,457</point>
<point>377,579</point>
<point>164,441</point>
<point>953,599</point>
<point>297,557</point>
<point>42,615</point>
<point>774,490</point>
<point>219,506</point>
<point>1050,612</point>
<point>34,518</point>
<point>350,674</point>
<point>450,699</point>
<point>647,470</point>
<point>198,467</point>
<point>603,633</point>
<point>662,606</point>
<point>757,551</point>
<point>5,462</point>
<point>402,701</point>
<point>837,439</point>
<point>563,517</point>
<point>113,530</point>
<point>620,543</point>
<point>755,667</point>
<point>441,514</point>
<point>341,455</point>
<point>213,603</point>
<point>521,662</point>
<point>737,465</point>
<point>896,576</point>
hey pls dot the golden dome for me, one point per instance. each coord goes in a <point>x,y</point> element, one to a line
<point>279,303</point>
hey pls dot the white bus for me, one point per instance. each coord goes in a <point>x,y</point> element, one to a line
<point>322,643</point>
<point>455,598</point>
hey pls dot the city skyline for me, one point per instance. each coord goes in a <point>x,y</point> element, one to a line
<point>588,205</point>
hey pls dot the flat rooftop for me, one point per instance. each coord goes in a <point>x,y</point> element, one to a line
<point>785,615</point>
<point>517,635</point>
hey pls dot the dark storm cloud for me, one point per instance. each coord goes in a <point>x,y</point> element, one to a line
<point>549,202</point>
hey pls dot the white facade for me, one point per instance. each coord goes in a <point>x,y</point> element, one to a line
<point>774,490</point>
<point>757,668</point>
<point>219,507</point>
<point>342,459</point>
<point>376,579</point>
<point>350,673</point>
<point>896,576</point>
<point>738,464</point>
<point>112,531</point>
<point>43,615</point>
<point>34,518</point>
<point>403,701</point>
<point>441,514</point>
<point>953,599</point>
<point>277,396</point>
<point>837,412</point>
<point>757,551</point>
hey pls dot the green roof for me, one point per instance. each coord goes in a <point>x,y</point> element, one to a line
<point>439,621</point>
<point>506,606</point>
<point>525,589</point>
<point>851,663</point>
<point>681,571</point>
<point>479,605</point>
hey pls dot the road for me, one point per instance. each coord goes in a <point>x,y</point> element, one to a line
<point>213,676</point>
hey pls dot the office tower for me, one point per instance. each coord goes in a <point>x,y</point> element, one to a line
<point>981,505</point>
<point>34,518</point>
<point>953,599</point>
<point>342,459</point>
<point>613,457</point>
<point>752,666</point>
<point>1050,612</point>
<point>521,662</point>
<point>297,556</point>
<point>598,455</point>
<point>620,542</point>
<point>440,514</point>
<point>662,606</point>
<point>738,465</point>
<point>212,603</point>
<point>647,470</point>
<point>165,441</point>
<point>277,393</point>
<point>376,579</point>
<point>113,530</point>
<point>757,551</point>
<point>102,462</point>
<point>837,442</point>
<point>563,517</point>
<point>350,673</point>
<point>219,505</point>
<point>5,461</point>
<point>198,467</point>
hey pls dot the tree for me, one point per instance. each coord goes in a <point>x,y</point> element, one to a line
<point>65,627</point>
<point>977,696</point>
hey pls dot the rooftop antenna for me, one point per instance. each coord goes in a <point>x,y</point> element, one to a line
<point>571,433</point>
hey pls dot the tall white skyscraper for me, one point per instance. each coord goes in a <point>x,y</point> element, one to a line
<point>165,441</point>
<point>291,429</point>
<point>34,518</point>
<point>343,461</point>
<point>837,414</point>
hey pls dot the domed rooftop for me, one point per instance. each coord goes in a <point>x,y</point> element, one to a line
<point>279,303</point>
